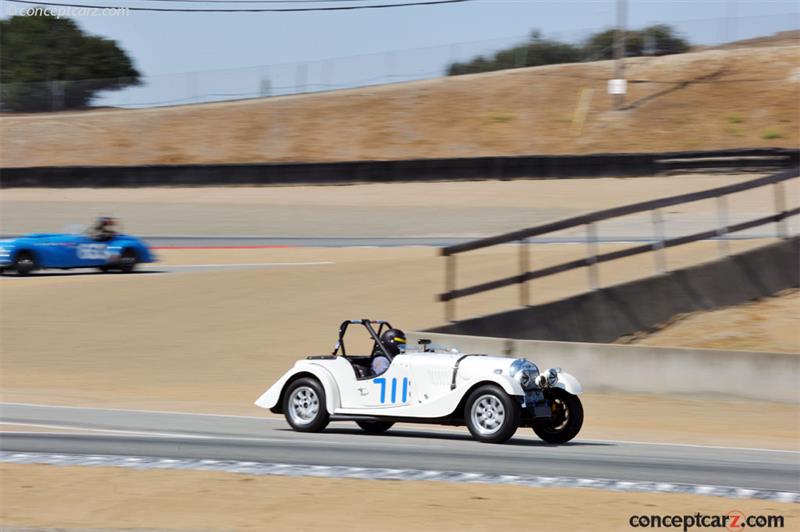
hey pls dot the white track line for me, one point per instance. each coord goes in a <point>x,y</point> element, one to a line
<point>40,405</point>
<point>77,431</point>
<point>237,265</point>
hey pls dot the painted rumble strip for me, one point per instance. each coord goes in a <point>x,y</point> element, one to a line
<point>377,473</point>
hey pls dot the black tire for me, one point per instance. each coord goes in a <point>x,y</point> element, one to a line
<point>375,427</point>
<point>127,261</point>
<point>25,263</point>
<point>491,415</point>
<point>567,420</point>
<point>304,405</point>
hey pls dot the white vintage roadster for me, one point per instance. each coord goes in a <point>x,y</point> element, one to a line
<point>493,396</point>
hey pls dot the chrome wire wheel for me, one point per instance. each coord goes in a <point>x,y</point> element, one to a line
<point>303,405</point>
<point>488,414</point>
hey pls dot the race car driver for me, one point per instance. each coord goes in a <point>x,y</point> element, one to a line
<point>394,340</point>
<point>104,229</point>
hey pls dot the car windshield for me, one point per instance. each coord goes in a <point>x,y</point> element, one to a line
<point>75,229</point>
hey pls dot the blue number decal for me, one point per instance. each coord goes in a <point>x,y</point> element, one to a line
<point>403,394</point>
<point>382,382</point>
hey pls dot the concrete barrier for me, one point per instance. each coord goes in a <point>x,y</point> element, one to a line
<point>643,369</point>
<point>449,169</point>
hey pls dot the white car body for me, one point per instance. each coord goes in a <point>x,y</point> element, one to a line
<point>492,395</point>
<point>424,385</point>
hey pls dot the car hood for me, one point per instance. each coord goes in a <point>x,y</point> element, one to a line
<point>469,365</point>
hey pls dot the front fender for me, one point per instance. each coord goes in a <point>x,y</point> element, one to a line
<point>271,398</point>
<point>569,383</point>
<point>510,386</point>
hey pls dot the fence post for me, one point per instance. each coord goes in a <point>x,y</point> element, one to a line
<point>658,245</point>
<point>449,286</point>
<point>591,242</point>
<point>301,71</point>
<point>780,208</point>
<point>722,226</point>
<point>524,299</point>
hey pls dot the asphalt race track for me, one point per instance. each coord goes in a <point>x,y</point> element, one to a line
<point>171,435</point>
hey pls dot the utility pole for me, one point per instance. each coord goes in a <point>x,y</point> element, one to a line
<point>619,87</point>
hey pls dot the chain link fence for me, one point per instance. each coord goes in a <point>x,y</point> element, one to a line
<point>346,72</point>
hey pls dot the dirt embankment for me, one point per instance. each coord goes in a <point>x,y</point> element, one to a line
<point>770,324</point>
<point>722,98</point>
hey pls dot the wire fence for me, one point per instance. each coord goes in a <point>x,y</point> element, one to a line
<point>338,73</point>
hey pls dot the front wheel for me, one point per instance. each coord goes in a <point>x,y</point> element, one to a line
<point>25,263</point>
<point>304,405</point>
<point>566,420</point>
<point>375,427</point>
<point>127,261</point>
<point>491,415</point>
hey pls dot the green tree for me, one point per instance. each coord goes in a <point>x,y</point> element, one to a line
<point>48,63</point>
<point>535,52</point>
<point>653,40</point>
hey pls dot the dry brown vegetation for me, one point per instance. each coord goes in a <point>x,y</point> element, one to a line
<point>721,98</point>
<point>769,324</point>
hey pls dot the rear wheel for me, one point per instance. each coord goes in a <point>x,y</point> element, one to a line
<point>304,405</point>
<point>127,261</point>
<point>375,427</point>
<point>25,263</point>
<point>566,420</point>
<point>491,415</point>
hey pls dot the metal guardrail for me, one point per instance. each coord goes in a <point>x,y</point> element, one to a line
<point>592,259</point>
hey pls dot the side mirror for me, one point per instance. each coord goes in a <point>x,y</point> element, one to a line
<point>424,342</point>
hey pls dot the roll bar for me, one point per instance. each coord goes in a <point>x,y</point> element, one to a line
<point>339,348</point>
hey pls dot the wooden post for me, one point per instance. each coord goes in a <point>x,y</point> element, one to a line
<point>449,286</point>
<point>591,243</point>
<point>722,226</point>
<point>524,299</point>
<point>658,246</point>
<point>780,208</point>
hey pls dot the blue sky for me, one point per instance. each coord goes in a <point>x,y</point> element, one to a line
<point>169,43</point>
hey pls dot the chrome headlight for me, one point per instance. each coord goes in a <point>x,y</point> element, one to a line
<point>525,373</point>
<point>548,378</point>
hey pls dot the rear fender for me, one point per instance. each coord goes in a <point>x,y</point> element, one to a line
<point>272,399</point>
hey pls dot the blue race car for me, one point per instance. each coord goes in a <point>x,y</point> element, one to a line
<point>101,248</point>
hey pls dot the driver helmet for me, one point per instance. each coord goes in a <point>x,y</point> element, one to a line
<point>106,221</point>
<point>394,340</point>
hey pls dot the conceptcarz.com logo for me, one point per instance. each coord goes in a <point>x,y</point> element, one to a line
<point>733,521</point>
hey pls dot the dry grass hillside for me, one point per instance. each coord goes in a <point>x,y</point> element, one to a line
<point>720,98</point>
<point>770,324</point>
